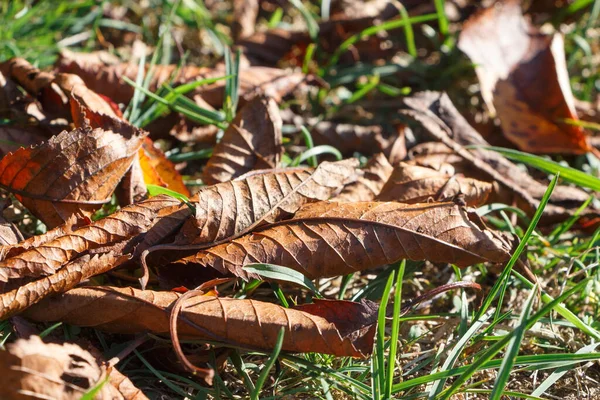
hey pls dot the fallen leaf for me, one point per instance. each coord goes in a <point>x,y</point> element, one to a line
<point>46,258</point>
<point>523,76</point>
<point>371,179</point>
<point>252,141</point>
<point>158,170</point>
<point>440,120</point>
<point>330,239</point>
<point>9,234</point>
<point>14,137</point>
<point>260,197</point>
<point>30,368</point>
<point>245,13</point>
<point>73,173</point>
<point>414,184</point>
<point>334,327</point>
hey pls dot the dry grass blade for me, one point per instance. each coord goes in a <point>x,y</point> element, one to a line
<point>330,239</point>
<point>252,141</point>
<point>332,327</point>
<point>371,179</point>
<point>414,184</point>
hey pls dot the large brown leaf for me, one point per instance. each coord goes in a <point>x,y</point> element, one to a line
<point>414,184</point>
<point>252,141</point>
<point>73,173</point>
<point>523,76</point>
<point>329,239</point>
<point>334,327</point>
<point>371,179</point>
<point>34,369</point>
<point>232,208</point>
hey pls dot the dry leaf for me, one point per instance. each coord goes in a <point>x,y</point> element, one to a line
<point>245,13</point>
<point>107,78</point>
<point>9,234</point>
<point>34,369</point>
<point>252,141</point>
<point>414,184</point>
<point>371,179</point>
<point>523,76</point>
<point>73,173</point>
<point>440,120</point>
<point>334,327</point>
<point>330,239</point>
<point>14,137</point>
<point>232,208</point>
<point>46,258</point>
<point>158,170</point>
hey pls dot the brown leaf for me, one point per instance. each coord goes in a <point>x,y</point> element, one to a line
<point>252,141</point>
<point>245,13</point>
<point>232,208</point>
<point>158,170</point>
<point>371,179</point>
<point>414,184</point>
<point>440,120</point>
<point>9,234</point>
<point>73,173</point>
<point>34,369</point>
<point>107,78</point>
<point>341,328</point>
<point>329,239</point>
<point>523,76</point>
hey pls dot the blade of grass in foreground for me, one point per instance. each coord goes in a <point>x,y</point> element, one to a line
<point>268,365</point>
<point>500,285</point>
<point>395,332</point>
<point>513,348</point>
<point>378,378</point>
<point>281,273</point>
<point>569,174</point>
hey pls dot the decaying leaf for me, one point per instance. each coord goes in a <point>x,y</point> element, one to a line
<point>245,13</point>
<point>523,77</point>
<point>371,179</point>
<point>232,208</point>
<point>332,327</point>
<point>252,141</point>
<point>30,368</point>
<point>158,170</point>
<point>330,239</point>
<point>46,258</point>
<point>9,234</point>
<point>414,184</point>
<point>73,173</point>
<point>106,77</point>
<point>440,120</point>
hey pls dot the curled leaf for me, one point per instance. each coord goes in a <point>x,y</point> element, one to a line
<point>159,170</point>
<point>371,179</point>
<point>252,141</point>
<point>334,327</point>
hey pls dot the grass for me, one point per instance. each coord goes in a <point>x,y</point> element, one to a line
<point>456,344</point>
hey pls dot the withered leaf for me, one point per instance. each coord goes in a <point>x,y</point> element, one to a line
<point>252,141</point>
<point>73,173</point>
<point>106,77</point>
<point>329,239</point>
<point>371,179</point>
<point>231,208</point>
<point>245,13</point>
<point>414,184</point>
<point>30,368</point>
<point>46,258</point>
<point>334,327</point>
<point>440,120</point>
<point>523,76</point>
<point>159,170</point>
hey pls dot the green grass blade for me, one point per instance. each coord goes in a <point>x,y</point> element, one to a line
<point>280,273</point>
<point>569,174</point>
<point>317,151</point>
<point>395,332</point>
<point>262,378</point>
<point>379,378</point>
<point>513,349</point>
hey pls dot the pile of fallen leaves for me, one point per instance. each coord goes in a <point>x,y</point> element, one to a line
<point>411,200</point>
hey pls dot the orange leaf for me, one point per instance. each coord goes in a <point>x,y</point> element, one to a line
<point>158,170</point>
